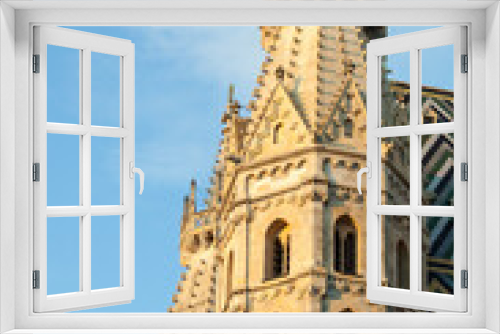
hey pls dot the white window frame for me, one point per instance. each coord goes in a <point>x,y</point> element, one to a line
<point>414,297</point>
<point>86,44</point>
<point>16,217</point>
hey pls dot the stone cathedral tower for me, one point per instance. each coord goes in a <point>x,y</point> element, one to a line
<point>284,228</point>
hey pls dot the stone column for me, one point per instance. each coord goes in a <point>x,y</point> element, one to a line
<point>307,248</point>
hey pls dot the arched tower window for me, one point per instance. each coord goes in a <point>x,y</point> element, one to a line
<point>350,253</point>
<point>277,255</point>
<point>287,253</point>
<point>345,246</point>
<point>230,275</point>
<point>348,128</point>
<point>209,239</point>
<point>338,251</point>
<point>196,243</point>
<point>403,266</point>
<point>277,133</point>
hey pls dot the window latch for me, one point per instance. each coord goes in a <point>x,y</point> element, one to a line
<point>132,171</point>
<point>368,171</point>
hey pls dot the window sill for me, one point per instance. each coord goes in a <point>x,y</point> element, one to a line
<point>253,331</point>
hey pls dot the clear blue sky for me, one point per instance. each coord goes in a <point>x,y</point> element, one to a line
<point>182,79</point>
<point>437,63</point>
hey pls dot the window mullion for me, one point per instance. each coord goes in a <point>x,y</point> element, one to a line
<point>80,125</point>
<point>123,173</point>
<point>85,178</point>
<point>414,167</point>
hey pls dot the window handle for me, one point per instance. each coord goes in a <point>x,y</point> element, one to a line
<point>367,170</point>
<point>139,171</point>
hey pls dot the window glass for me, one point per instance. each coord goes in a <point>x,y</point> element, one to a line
<point>63,170</point>
<point>437,169</point>
<point>395,174</point>
<point>437,254</point>
<point>395,106</point>
<point>105,252</point>
<point>63,255</point>
<point>106,162</point>
<point>437,84</point>
<point>106,88</point>
<point>63,85</point>
<point>395,245</point>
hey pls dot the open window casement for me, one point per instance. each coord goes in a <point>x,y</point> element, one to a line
<point>87,137</point>
<point>416,242</point>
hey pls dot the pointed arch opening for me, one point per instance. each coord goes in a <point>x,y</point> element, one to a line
<point>346,244</point>
<point>277,252</point>
<point>277,133</point>
<point>350,254</point>
<point>348,128</point>
<point>209,239</point>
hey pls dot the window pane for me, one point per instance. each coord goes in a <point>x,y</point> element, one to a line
<point>63,85</point>
<point>395,246</point>
<point>105,252</point>
<point>105,90</point>
<point>105,171</point>
<point>437,169</point>
<point>437,254</point>
<point>437,84</point>
<point>395,89</point>
<point>395,174</point>
<point>63,170</point>
<point>63,255</point>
